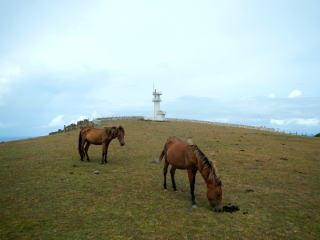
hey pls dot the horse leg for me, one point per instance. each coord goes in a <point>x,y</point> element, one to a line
<point>192,180</point>
<point>165,169</point>
<point>172,172</point>
<point>105,153</point>
<point>81,153</point>
<point>106,156</point>
<point>86,151</point>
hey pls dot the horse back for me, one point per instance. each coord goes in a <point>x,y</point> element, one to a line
<point>180,154</point>
<point>93,135</point>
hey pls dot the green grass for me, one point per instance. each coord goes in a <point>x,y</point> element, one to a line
<point>47,193</point>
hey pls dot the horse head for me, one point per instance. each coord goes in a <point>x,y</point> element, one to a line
<point>120,135</point>
<point>214,194</point>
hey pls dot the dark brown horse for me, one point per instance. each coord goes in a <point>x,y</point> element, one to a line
<point>181,155</point>
<point>90,135</point>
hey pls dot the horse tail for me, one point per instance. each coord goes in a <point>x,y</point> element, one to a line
<point>164,151</point>
<point>162,155</point>
<point>80,143</point>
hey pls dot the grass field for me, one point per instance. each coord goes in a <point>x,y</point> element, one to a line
<point>47,193</point>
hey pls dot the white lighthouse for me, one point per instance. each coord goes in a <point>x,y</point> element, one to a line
<point>158,115</point>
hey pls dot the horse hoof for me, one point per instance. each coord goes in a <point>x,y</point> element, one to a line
<point>194,206</point>
<point>165,190</point>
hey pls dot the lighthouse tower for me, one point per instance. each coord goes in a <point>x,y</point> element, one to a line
<point>158,114</point>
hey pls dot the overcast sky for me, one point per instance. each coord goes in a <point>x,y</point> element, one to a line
<point>248,62</point>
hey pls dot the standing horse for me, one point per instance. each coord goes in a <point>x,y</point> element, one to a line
<point>90,135</point>
<point>181,155</point>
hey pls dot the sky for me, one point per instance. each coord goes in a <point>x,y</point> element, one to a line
<point>235,61</point>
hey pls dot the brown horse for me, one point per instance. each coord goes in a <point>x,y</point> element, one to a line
<point>90,135</point>
<point>181,155</point>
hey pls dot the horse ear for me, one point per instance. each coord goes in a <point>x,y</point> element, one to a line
<point>121,128</point>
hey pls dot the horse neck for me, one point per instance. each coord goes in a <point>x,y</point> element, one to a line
<point>106,137</point>
<point>205,167</point>
<point>208,175</point>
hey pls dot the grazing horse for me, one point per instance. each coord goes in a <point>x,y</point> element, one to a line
<point>90,135</point>
<point>181,155</point>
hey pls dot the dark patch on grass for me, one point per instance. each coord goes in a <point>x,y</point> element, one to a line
<point>249,190</point>
<point>230,209</point>
<point>284,158</point>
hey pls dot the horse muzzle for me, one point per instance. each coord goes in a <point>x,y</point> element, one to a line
<point>217,209</point>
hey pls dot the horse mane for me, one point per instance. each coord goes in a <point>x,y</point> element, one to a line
<point>110,131</point>
<point>113,131</point>
<point>205,165</point>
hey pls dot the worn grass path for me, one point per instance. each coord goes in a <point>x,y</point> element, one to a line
<point>47,193</point>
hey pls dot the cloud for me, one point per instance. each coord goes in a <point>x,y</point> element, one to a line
<point>300,115</point>
<point>57,121</point>
<point>271,95</point>
<point>277,121</point>
<point>308,122</point>
<point>80,118</point>
<point>8,75</point>
<point>55,63</point>
<point>4,89</point>
<point>294,94</point>
<point>91,116</point>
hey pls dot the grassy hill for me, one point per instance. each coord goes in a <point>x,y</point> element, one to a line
<point>47,193</point>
